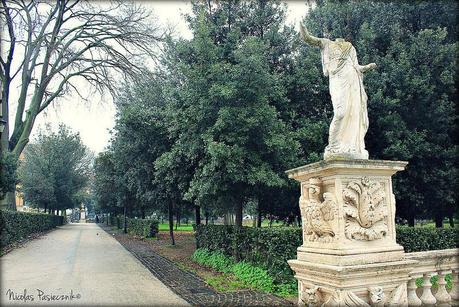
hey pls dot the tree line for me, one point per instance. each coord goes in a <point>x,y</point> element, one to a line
<point>214,126</point>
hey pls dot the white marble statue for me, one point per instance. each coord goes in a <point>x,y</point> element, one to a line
<point>350,117</point>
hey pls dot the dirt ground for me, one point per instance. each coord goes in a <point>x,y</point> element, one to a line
<point>181,252</point>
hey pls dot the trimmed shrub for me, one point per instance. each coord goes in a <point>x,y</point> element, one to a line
<point>416,239</point>
<point>270,248</point>
<point>15,226</point>
<point>142,228</point>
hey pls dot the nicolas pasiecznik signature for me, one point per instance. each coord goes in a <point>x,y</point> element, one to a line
<point>41,295</point>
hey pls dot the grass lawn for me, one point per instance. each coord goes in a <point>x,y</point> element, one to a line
<point>182,227</point>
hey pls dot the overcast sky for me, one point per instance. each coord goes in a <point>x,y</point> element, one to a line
<point>95,119</point>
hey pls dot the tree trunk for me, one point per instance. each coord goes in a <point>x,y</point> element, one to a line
<point>411,221</point>
<point>179,217</point>
<point>238,212</point>
<point>125,218</point>
<point>451,221</point>
<point>197,213</point>
<point>439,221</point>
<point>238,224</point>
<point>171,221</point>
<point>259,215</point>
<point>8,201</point>
<point>143,212</point>
<point>207,217</point>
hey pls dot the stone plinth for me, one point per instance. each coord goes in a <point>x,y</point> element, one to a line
<point>349,252</point>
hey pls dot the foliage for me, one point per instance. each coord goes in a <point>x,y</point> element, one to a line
<point>255,276</point>
<point>62,44</point>
<point>270,248</point>
<point>221,112</point>
<point>225,282</point>
<point>165,227</point>
<point>415,239</point>
<point>15,226</point>
<point>142,228</point>
<point>251,275</point>
<point>55,170</point>
<point>8,175</point>
<point>105,183</point>
<point>215,260</point>
<point>145,228</point>
<point>226,112</point>
<point>434,281</point>
<point>412,93</point>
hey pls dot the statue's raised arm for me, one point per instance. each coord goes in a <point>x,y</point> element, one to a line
<point>308,38</point>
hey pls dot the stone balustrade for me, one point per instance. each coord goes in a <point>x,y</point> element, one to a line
<point>431,263</point>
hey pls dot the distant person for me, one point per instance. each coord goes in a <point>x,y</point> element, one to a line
<point>97,219</point>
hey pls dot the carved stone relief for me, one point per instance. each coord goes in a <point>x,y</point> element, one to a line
<point>311,297</point>
<point>365,210</point>
<point>315,297</point>
<point>397,297</point>
<point>318,214</point>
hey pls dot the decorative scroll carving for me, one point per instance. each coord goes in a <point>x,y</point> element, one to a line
<point>365,210</point>
<point>345,298</point>
<point>398,297</point>
<point>317,214</point>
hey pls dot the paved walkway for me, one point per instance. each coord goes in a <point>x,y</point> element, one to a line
<point>80,264</point>
<point>189,286</point>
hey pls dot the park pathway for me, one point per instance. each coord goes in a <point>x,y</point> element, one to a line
<point>80,264</point>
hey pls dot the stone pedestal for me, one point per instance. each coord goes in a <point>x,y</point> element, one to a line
<point>349,255</point>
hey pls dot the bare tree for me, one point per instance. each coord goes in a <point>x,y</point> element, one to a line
<point>52,46</point>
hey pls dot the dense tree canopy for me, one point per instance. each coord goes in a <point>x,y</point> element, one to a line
<point>412,94</point>
<point>55,171</point>
<point>229,110</point>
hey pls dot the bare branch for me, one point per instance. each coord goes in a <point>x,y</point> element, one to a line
<point>65,40</point>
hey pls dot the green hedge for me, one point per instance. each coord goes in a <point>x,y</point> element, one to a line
<point>15,226</point>
<point>416,239</point>
<point>145,228</point>
<point>142,228</point>
<point>270,248</point>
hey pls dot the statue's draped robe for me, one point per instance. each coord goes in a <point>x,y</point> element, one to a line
<point>350,120</point>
